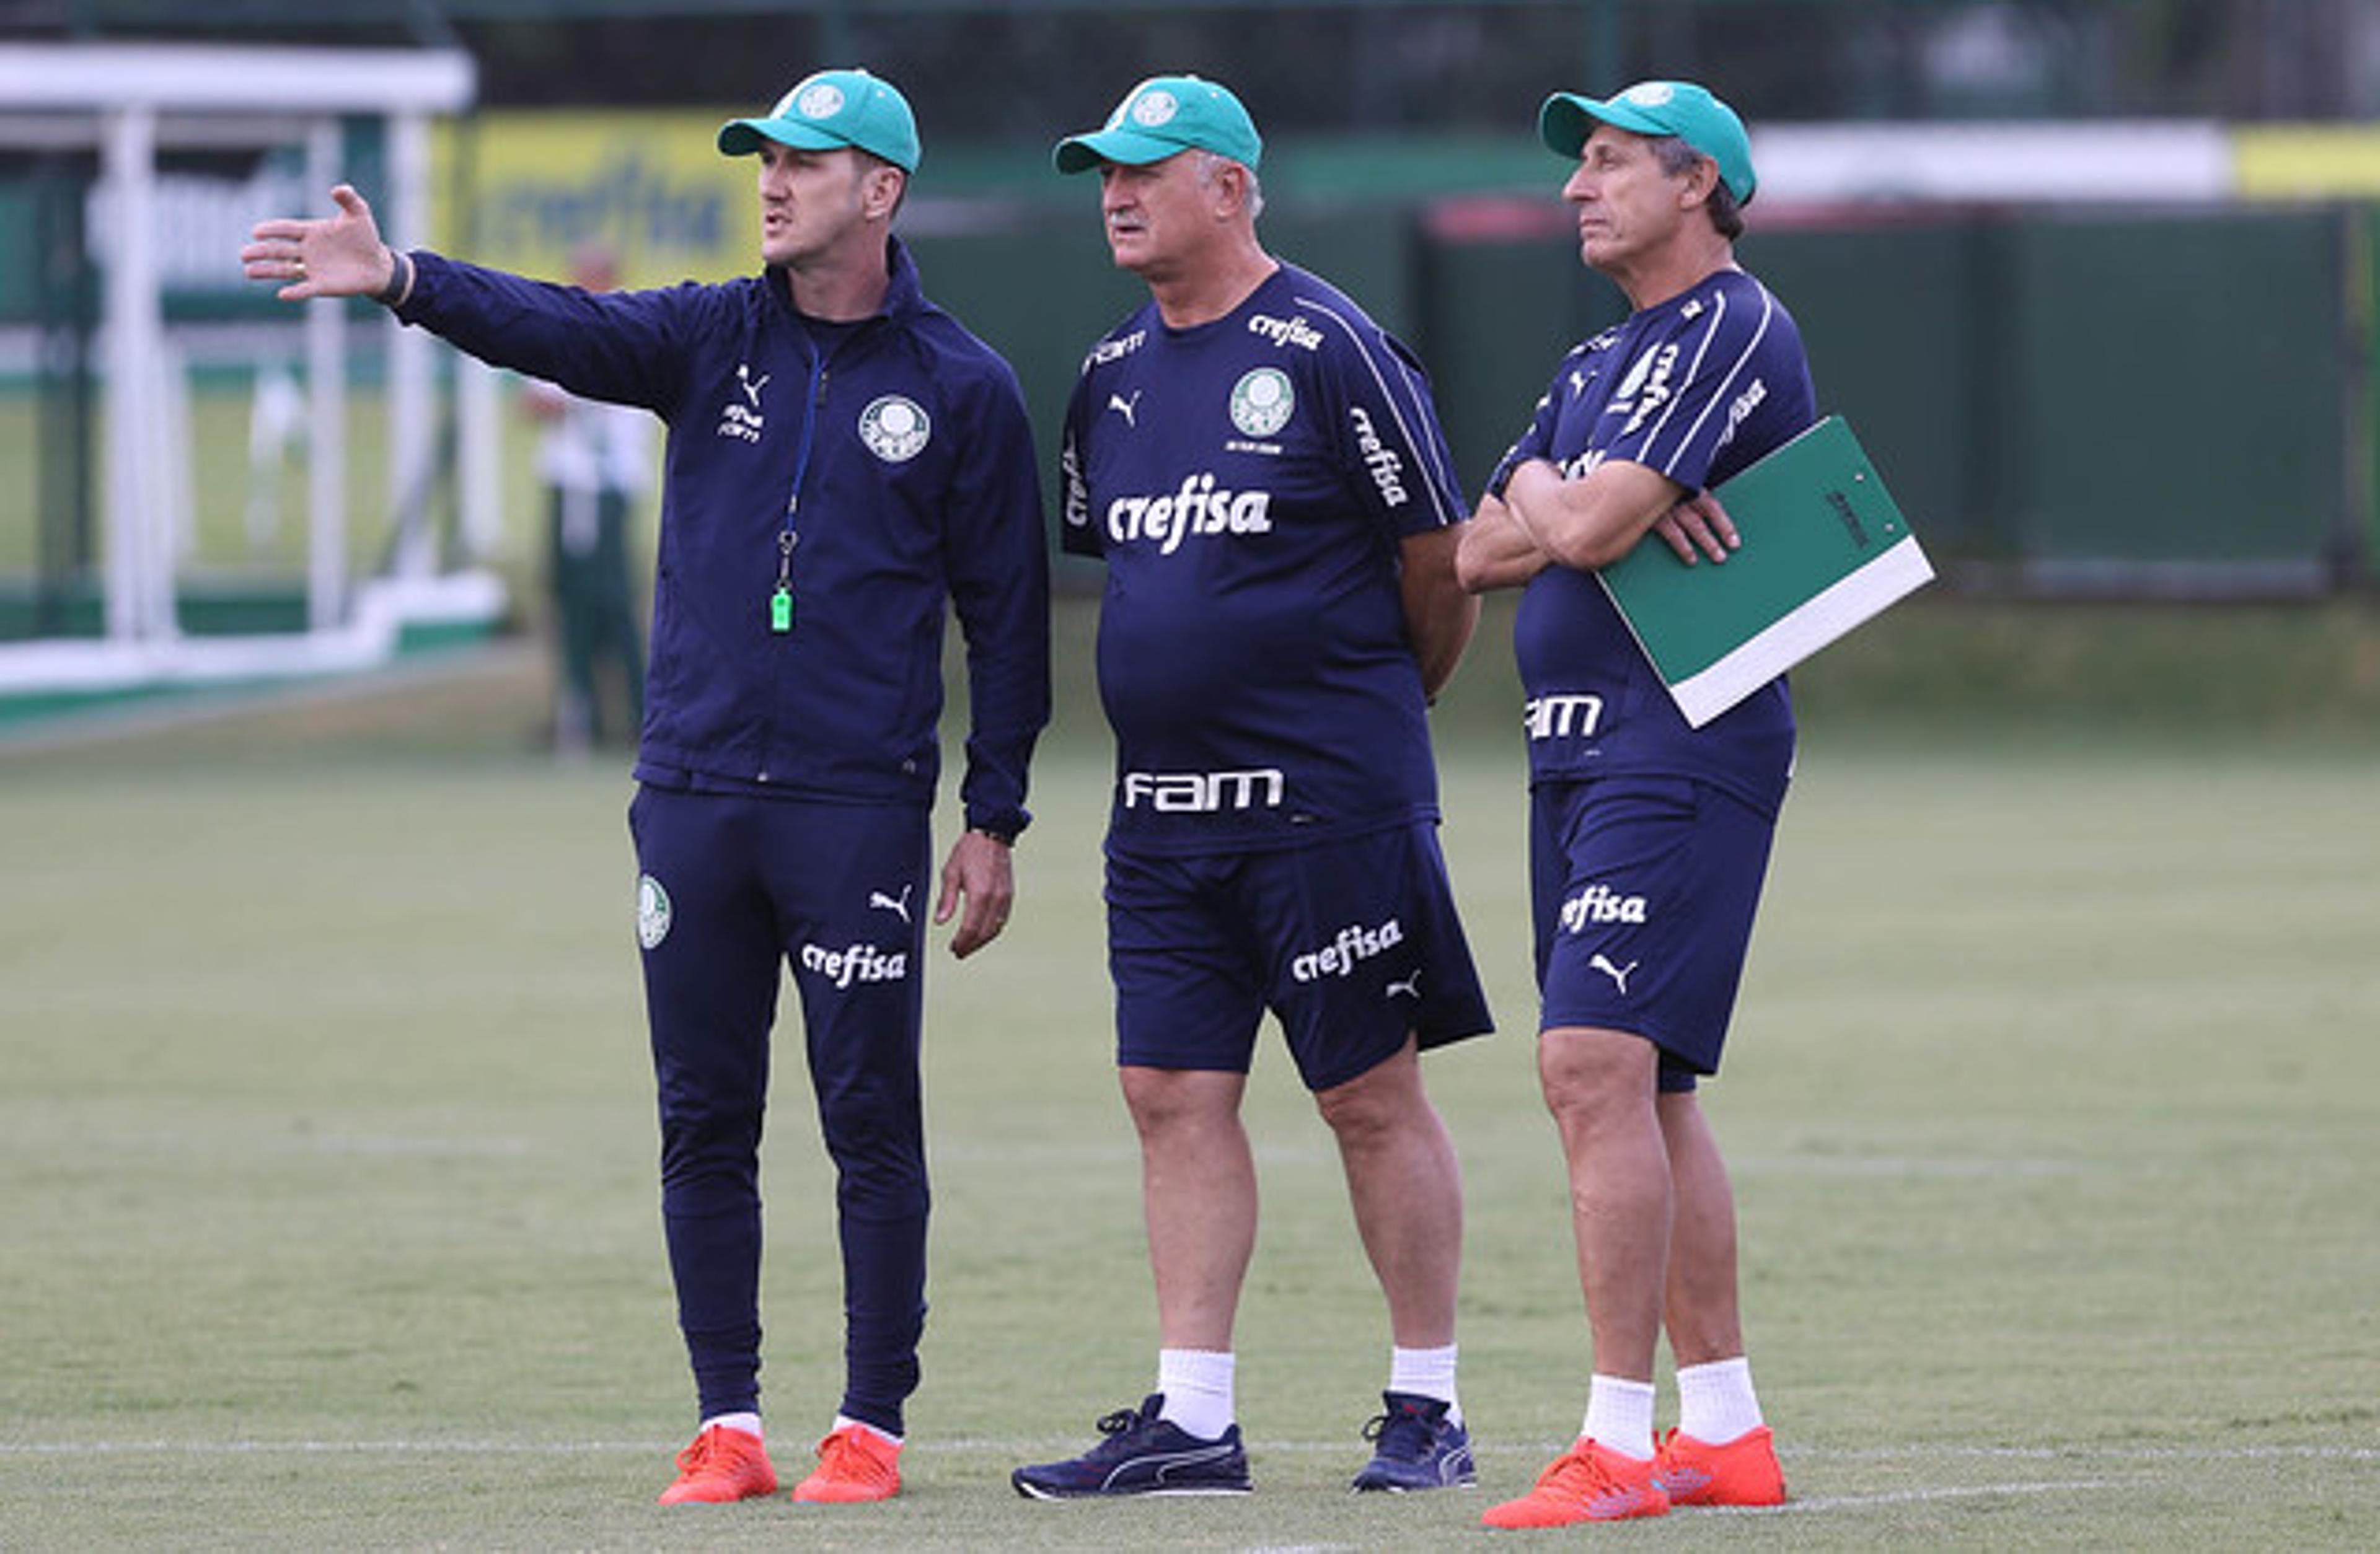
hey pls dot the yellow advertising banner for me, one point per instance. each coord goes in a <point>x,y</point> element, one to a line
<point>526,191</point>
<point>2306,162</point>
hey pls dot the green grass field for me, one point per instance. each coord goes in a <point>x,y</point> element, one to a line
<point>327,1210</point>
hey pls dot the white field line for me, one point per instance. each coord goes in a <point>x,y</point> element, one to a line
<point>2118,1455</point>
<point>1918,1497</point>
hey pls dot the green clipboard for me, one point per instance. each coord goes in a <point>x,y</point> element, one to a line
<point>1825,549</point>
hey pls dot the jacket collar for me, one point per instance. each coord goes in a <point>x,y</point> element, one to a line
<point>904,294</point>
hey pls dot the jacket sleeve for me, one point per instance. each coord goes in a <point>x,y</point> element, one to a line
<point>997,557</point>
<point>624,346</point>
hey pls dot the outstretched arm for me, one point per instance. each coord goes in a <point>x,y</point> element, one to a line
<point>334,255</point>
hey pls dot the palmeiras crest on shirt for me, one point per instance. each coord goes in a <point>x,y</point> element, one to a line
<point>1261,402</point>
<point>653,912</point>
<point>895,428</point>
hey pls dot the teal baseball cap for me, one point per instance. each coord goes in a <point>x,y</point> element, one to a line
<point>1679,108</point>
<point>1161,116</point>
<point>830,109</point>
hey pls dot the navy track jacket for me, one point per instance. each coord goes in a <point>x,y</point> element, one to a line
<point>901,461</point>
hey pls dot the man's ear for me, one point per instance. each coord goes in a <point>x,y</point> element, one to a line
<point>1700,180</point>
<point>881,190</point>
<point>1231,188</point>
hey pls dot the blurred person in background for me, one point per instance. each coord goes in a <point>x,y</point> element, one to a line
<point>845,463</point>
<point>1261,469</point>
<point>596,461</point>
<point>1648,838</point>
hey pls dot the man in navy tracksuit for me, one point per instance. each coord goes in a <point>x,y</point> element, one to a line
<point>844,463</point>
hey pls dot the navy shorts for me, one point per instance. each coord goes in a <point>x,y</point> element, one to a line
<point>1354,945</point>
<point>1644,890</point>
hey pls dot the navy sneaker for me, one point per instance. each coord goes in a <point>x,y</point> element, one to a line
<point>1142,1454</point>
<point>1416,1445</point>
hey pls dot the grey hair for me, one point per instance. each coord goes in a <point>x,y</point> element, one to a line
<point>1677,159</point>
<point>1210,163</point>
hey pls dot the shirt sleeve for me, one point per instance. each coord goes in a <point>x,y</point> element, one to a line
<point>1387,426</point>
<point>998,560</point>
<point>1677,416</point>
<point>1077,534</point>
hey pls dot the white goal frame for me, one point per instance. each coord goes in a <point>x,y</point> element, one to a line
<point>127,101</point>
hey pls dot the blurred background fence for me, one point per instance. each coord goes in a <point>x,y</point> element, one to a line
<point>2093,277</point>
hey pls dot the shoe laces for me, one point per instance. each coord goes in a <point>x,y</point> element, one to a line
<point>708,1450</point>
<point>1404,1434</point>
<point>1577,1473</point>
<point>843,1455</point>
<point>1120,1430</point>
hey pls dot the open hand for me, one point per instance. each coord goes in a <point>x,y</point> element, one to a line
<point>335,256</point>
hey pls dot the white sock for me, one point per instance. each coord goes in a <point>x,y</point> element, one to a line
<point>1198,1388</point>
<point>845,1421</point>
<point>1716,1404</point>
<point>748,1423</point>
<point>1425,1373</point>
<point>1619,1416</point>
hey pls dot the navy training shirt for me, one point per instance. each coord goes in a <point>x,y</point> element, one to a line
<point>1248,482</point>
<point>1697,388</point>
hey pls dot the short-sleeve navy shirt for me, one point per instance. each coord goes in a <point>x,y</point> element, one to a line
<point>1695,387</point>
<point>1248,482</point>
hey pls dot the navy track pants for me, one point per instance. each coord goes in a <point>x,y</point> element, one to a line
<point>733,887</point>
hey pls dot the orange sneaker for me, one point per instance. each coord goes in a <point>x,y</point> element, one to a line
<point>855,1463</point>
<point>1743,1472</point>
<point>723,1464</point>
<point>1589,1483</point>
